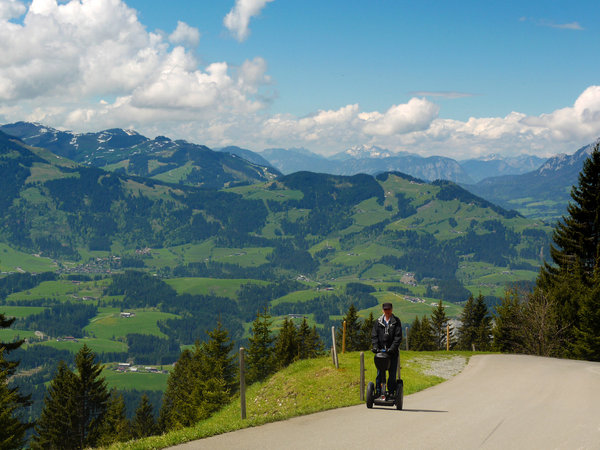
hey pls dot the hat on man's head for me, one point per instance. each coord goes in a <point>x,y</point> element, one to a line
<point>387,306</point>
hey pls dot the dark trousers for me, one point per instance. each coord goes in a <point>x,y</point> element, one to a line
<point>391,382</point>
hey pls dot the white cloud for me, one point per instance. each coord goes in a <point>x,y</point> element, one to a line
<point>184,34</point>
<point>238,19</point>
<point>11,9</point>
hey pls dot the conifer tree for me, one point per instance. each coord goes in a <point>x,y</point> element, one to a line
<point>303,340</point>
<point>483,323</point>
<point>475,330</point>
<point>542,331</point>
<point>12,428</point>
<point>115,426</point>
<point>314,344</point>
<point>414,334</point>
<point>365,332</point>
<point>508,323</point>
<point>587,334</point>
<point>261,353</point>
<point>91,396</point>
<point>144,423</point>
<point>439,322</point>
<point>353,331</point>
<point>427,338</point>
<point>178,408</point>
<point>217,358</point>
<point>58,425</point>
<point>286,346</point>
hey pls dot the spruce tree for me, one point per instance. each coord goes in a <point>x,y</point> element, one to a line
<point>483,325</point>
<point>303,340</point>
<point>414,334</point>
<point>365,332</point>
<point>58,424</point>
<point>587,334</point>
<point>286,346</point>
<point>353,331</point>
<point>144,423</point>
<point>261,353</point>
<point>179,408</point>
<point>439,323</point>
<point>427,337</point>
<point>115,426</point>
<point>575,254</point>
<point>508,323</point>
<point>12,428</point>
<point>314,344</point>
<point>91,396</point>
<point>467,331</point>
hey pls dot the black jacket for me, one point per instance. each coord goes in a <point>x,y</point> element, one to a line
<point>389,337</point>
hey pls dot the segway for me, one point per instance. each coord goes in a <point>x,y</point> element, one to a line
<point>382,362</point>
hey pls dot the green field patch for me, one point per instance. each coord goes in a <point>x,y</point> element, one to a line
<point>21,311</point>
<point>210,286</point>
<point>245,257</point>
<point>15,261</point>
<point>379,272</point>
<point>175,175</point>
<point>97,345</point>
<point>10,334</point>
<point>299,296</point>
<point>370,212</point>
<point>61,289</point>
<point>140,380</point>
<point>110,325</point>
<point>261,191</point>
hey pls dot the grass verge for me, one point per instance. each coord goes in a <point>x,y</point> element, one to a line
<point>304,387</point>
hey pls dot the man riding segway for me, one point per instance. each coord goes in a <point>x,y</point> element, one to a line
<point>386,338</point>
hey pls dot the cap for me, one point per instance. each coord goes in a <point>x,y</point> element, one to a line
<point>387,306</point>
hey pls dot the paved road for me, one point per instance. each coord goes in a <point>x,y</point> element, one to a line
<point>497,402</point>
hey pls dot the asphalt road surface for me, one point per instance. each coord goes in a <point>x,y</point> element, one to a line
<point>497,402</point>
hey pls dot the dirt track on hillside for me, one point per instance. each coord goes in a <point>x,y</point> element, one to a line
<point>497,402</point>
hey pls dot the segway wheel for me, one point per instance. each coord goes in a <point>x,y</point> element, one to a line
<point>370,395</point>
<point>399,394</point>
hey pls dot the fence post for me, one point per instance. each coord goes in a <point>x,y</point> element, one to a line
<point>407,338</point>
<point>447,337</point>
<point>335,357</point>
<point>362,376</point>
<point>242,382</point>
<point>344,339</point>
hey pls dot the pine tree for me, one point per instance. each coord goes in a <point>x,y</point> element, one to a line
<point>467,330</point>
<point>286,346</point>
<point>414,334</point>
<point>508,323</point>
<point>58,424</point>
<point>542,331</point>
<point>576,254</point>
<point>261,353</point>
<point>12,428</point>
<point>483,325</point>
<point>314,344</point>
<point>353,331</point>
<point>365,332</point>
<point>303,340</point>
<point>144,423</point>
<point>577,235</point>
<point>91,394</point>
<point>179,408</point>
<point>115,426</point>
<point>427,338</point>
<point>439,323</point>
<point>587,334</point>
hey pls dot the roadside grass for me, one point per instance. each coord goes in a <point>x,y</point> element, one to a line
<point>304,387</point>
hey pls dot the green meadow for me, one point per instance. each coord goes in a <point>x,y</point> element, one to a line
<point>110,325</point>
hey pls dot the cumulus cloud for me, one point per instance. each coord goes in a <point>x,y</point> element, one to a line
<point>11,9</point>
<point>185,35</point>
<point>238,19</point>
<point>91,63</point>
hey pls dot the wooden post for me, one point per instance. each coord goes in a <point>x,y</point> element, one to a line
<point>335,358</point>
<point>344,338</point>
<point>406,338</point>
<point>242,383</point>
<point>362,376</point>
<point>447,337</point>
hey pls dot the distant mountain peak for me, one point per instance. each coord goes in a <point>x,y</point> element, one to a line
<point>364,151</point>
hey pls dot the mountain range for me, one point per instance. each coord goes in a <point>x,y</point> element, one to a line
<point>531,185</point>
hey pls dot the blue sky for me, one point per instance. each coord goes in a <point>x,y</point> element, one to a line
<point>460,79</point>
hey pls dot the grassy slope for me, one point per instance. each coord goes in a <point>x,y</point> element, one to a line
<point>305,387</point>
